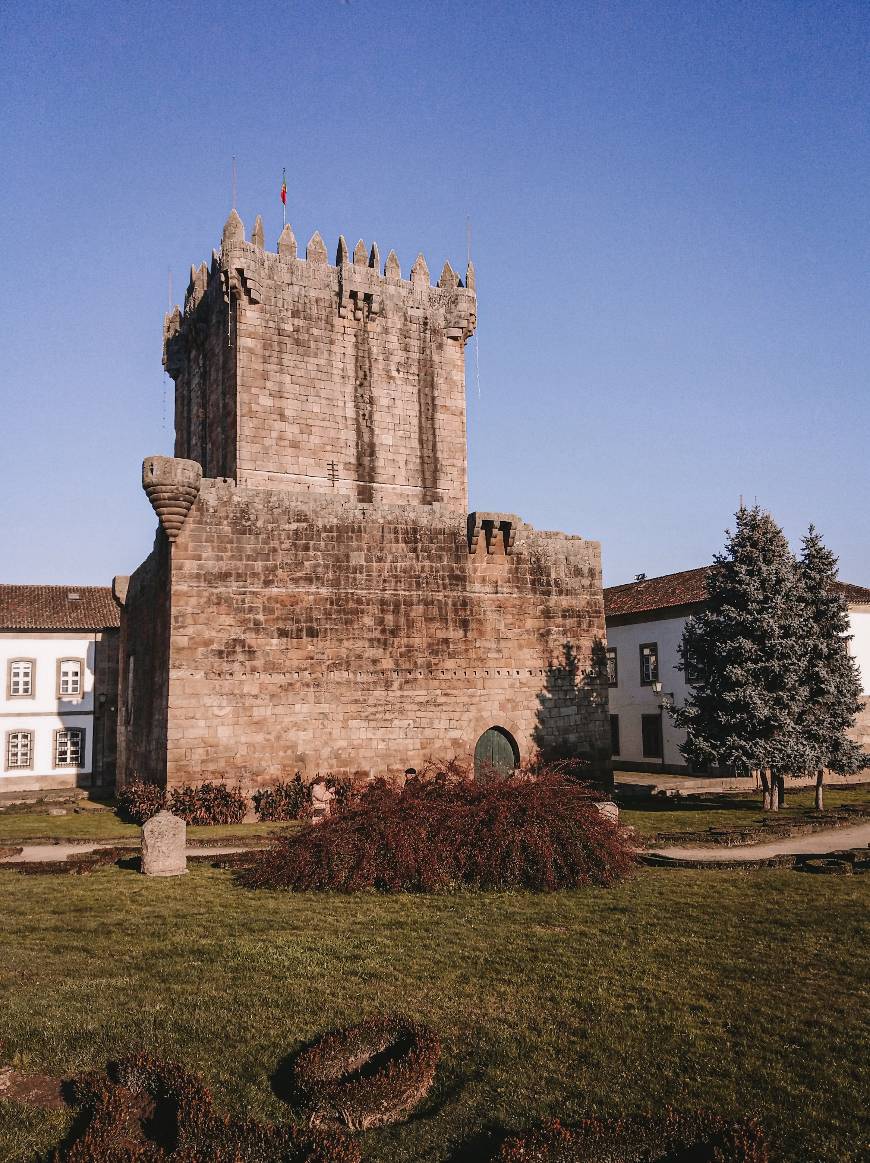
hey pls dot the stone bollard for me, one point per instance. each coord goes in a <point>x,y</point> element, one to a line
<point>609,810</point>
<point>164,845</point>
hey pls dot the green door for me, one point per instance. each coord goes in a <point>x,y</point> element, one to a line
<point>495,754</point>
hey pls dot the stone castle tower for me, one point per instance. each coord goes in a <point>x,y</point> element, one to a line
<point>318,597</point>
<point>298,375</point>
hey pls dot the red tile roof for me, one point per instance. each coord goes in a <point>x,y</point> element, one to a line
<point>58,608</point>
<point>684,589</point>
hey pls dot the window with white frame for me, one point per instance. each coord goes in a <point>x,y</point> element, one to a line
<point>612,667</point>
<point>69,747</point>
<point>649,663</point>
<point>19,749</point>
<point>21,678</point>
<point>69,677</point>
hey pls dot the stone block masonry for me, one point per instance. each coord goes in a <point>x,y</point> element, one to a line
<point>318,598</point>
<point>294,374</point>
<point>315,635</point>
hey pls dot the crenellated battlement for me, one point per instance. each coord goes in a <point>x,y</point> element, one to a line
<point>297,373</point>
<point>357,280</point>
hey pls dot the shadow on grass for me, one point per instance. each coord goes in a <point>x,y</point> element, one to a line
<point>482,1147</point>
<point>654,804</point>
<point>282,1080</point>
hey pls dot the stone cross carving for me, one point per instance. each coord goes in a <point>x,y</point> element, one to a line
<point>164,845</point>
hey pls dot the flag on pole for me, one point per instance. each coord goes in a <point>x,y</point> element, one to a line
<point>284,188</point>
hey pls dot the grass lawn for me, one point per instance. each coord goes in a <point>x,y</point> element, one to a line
<point>29,826</point>
<point>737,991</point>
<point>728,811</point>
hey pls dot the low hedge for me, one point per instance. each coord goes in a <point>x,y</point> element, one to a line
<point>367,1075</point>
<point>148,1110</point>
<point>285,801</point>
<point>668,1136</point>
<point>138,801</point>
<point>541,833</point>
<point>207,803</point>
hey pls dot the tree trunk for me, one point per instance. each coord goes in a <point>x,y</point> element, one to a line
<point>780,783</point>
<point>774,792</point>
<point>820,790</point>
<point>765,790</point>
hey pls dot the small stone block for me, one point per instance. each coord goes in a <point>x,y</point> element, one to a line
<point>609,810</point>
<point>164,845</point>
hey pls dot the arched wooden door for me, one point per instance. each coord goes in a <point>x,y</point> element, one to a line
<point>496,754</point>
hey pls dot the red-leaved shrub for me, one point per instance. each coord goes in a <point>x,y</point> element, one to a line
<point>667,1136</point>
<point>208,803</point>
<point>138,801</point>
<point>540,833</point>
<point>369,1074</point>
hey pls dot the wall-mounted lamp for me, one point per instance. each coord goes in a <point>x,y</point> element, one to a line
<point>667,697</point>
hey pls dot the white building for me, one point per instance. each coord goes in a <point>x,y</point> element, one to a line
<point>58,698</point>
<point>645,621</point>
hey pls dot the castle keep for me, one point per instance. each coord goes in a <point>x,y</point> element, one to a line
<point>318,597</point>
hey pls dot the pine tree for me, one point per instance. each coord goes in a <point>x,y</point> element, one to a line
<point>833,681</point>
<point>747,650</point>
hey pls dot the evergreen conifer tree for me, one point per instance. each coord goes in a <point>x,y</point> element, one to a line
<point>747,650</point>
<point>831,674</point>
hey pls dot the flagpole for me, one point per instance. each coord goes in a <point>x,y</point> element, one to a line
<point>284,198</point>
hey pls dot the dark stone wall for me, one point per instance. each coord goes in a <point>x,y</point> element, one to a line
<point>144,647</point>
<point>105,752</point>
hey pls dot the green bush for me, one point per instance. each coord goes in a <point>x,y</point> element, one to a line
<point>208,803</point>
<point>285,801</point>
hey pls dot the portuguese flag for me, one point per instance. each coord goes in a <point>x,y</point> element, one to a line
<point>284,188</point>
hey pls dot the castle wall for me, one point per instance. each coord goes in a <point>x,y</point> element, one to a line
<point>309,634</point>
<point>143,667</point>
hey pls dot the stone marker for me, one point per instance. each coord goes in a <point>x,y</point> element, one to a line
<point>164,845</point>
<point>609,810</point>
<point>57,811</point>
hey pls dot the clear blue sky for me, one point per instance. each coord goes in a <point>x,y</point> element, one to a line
<point>670,229</point>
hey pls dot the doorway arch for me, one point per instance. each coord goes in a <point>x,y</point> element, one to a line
<point>496,754</point>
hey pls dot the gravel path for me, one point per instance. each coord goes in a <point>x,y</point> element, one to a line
<point>48,853</point>
<point>815,843</point>
<point>833,840</point>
